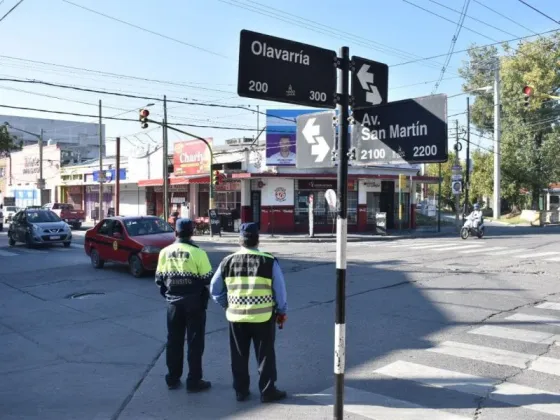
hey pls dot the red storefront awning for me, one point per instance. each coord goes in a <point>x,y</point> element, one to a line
<point>418,178</point>
<point>200,179</point>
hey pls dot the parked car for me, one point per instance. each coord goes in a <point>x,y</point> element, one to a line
<point>9,212</point>
<point>66,212</point>
<point>38,226</point>
<point>132,240</point>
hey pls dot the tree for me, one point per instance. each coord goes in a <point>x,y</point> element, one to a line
<point>481,179</point>
<point>432,169</point>
<point>530,136</point>
<point>7,144</point>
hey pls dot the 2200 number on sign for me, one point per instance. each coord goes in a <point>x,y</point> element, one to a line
<point>421,151</point>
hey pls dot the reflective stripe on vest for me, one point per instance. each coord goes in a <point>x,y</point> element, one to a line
<point>248,278</point>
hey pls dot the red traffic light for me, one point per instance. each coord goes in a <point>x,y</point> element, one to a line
<point>528,90</point>
<point>144,113</point>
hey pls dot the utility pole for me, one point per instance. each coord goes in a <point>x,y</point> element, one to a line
<point>439,200</point>
<point>41,179</point>
<point>165,163</point>
<point>118,178</point>
<point>497,156</point>
<point>101,176</point>
<point>341,232</point>
<point>457,163</point>
<point>468,171</point>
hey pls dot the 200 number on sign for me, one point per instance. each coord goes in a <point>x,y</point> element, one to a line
<point>372,154</point>
<point>421,151</point>
<point>318,96</point>
<point>258,86</point>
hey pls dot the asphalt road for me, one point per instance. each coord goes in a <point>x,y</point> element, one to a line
<point>437,328</point>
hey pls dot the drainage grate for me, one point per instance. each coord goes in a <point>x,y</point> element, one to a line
<point>85,295</point>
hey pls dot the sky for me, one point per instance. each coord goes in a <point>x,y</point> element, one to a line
<point>194,57</point>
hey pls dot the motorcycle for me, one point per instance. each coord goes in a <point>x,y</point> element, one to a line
<point>468,229</point>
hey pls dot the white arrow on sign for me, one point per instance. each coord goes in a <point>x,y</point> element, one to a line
<point>366,80</point>
<point>320,147</point>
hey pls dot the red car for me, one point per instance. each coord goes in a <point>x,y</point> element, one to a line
<point>132,240</point>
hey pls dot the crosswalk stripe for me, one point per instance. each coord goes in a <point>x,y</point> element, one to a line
<point>412,244</point>
<point>499,357</point>
<point>506,392</point>
<point>535,319</point>
<point>555,306</point>
<point>7,254</point>
<point>31,251</point>
<point>510,251</point>
<point>557,259</point>
<point>485,250</point>
<point>380,407</point>
<point>538,254</point>
<point>516,334</point>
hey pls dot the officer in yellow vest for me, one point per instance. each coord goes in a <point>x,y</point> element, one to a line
<point>183,275</point>
<point>250,285</point>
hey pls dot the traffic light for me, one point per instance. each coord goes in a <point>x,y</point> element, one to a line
<point>216,178</point>
<point>144,114</point>
<point>527,92</point>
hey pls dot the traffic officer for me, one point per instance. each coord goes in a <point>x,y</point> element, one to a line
<point>250,285</point>
<point>183,275</point>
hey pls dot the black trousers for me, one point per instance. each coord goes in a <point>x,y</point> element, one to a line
<point>179,321</point>
<point>262,335</point>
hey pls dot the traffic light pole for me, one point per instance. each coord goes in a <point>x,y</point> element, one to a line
<point>468,171</point>
<point>165,163</point>
<point>101,175</point>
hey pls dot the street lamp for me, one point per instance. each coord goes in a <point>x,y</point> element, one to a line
<point>40,181</point>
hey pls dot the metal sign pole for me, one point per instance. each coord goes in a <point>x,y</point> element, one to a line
<point>341,233</point>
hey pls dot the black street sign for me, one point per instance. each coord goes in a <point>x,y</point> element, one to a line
<point>407,131</point>
<point>277,69</point>
<point>370,82</point>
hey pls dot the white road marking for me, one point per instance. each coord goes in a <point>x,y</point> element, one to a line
<point>510,251</point>
<point>509,393</point>
<point>485,250</point>
<point>7,254</point>
<point>499,357</point>
<point>380,407</point>
<point>557,259</point>
<point>538,254</point>
<point>555,306</point>
<point>535,319</point>
<point>516,334</point>
<point>31,251</point>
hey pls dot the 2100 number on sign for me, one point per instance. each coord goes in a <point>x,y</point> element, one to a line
<point>373,154</point>
<point>425,151</point>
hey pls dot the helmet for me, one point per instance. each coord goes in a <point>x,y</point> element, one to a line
<point>477,206</point>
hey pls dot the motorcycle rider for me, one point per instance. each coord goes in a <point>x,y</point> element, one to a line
<point>476,216</point>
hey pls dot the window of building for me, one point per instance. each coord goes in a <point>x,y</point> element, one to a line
<point>322,215</point>
<point>372,205</point>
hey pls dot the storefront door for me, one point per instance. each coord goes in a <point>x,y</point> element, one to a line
<point>387,202</point>
<point>256,206</point>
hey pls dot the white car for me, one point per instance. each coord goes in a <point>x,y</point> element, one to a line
<point>8,213</point>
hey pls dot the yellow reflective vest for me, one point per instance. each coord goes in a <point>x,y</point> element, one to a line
<point>247,275</point>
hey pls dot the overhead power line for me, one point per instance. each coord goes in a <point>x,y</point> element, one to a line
<point>504,16</point>
<point>473,18</point>
<point>540,12</point>
<point>148,30</point>
<point>11,10</point>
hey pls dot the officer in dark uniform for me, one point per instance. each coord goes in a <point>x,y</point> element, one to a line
<point>183,275</point>
<point>250,285</point>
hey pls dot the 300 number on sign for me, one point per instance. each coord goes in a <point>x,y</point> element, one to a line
<point>373,154</point>
<point>258,86</point>
<point>426,151</point>
<point>317,96</point>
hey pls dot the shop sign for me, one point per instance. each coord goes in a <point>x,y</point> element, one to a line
<point>191,158</point>
<point>30,165</point>
<point>372,185</point>
<point>322,184</point>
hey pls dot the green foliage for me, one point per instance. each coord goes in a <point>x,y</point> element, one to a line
<point>530,136</point>
<point>7,144</point>
<point>432,169</point>
<point>481,179</point>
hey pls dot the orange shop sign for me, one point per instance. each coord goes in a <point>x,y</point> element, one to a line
<point>191,157</point>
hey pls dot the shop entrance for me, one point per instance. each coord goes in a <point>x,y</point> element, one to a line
<point>387,202</point>
<point>256,207</point>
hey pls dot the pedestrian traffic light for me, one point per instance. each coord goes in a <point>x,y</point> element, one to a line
<point>528,92</point>
<point>144,114</point>
<point>216,178</point>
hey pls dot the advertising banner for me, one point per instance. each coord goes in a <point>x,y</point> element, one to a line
<point>191,157</point>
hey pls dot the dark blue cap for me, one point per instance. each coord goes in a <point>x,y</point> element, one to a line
<point>249,229</point>
<point>184,226</point>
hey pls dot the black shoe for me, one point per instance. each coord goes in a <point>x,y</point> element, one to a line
<point>273,396</point>
<point>201,385</point>
<point>242,396</point>
<point>174,385</point>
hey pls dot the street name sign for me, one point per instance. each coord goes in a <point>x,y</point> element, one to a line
<point>277,69</point>
<point>407,131</point>
<point>370,82</point>
<point>315,140</point>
